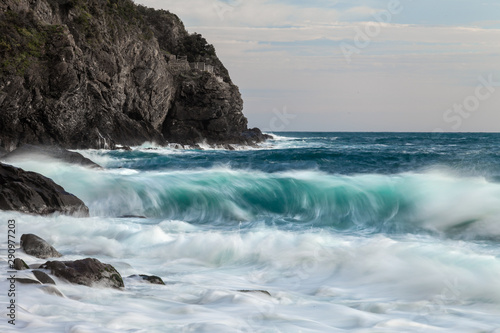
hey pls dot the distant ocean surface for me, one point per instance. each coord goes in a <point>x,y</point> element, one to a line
<point>348,232</point>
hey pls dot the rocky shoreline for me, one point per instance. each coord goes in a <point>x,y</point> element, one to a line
<point>99,74</point>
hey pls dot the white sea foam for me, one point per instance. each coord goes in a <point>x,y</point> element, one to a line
<point>405,283</point>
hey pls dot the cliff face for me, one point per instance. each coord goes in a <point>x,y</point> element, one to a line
<point>93,74</point>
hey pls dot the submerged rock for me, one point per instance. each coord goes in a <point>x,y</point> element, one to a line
<point>153,279</point>
<point>32,193</point>
<point>27,281</point>
<point>34,152</point>
<point>38,247</point>
<point>89,272</point>
<point>43,277</point>
<point>265,292</point>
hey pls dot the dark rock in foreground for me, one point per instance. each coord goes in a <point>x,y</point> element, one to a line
<point>89,272</point>
<point>153,279</point>
<point>34,152</point>
<point>29,192</point>
<point>38,247</point>
<point>20,265</point>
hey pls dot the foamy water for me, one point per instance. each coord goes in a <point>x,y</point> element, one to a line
<point>411,250</point>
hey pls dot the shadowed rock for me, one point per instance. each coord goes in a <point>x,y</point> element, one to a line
<point>149,278</point>
<point>31,152</point>
<point>32,193</point>
<point>20,265</point>
<point>43,277</point>
<point>88,272</point>
<point>38,247</point>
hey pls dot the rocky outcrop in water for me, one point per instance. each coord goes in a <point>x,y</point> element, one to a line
<point>89,272</point>
<point>31,193</point>
<point>95,74</point>
<point>38,247</point>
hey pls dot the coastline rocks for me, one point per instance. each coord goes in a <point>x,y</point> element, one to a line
<point>31,152</point>
<point>89,272</point>
<point>99,74</point>
<point>32,193</point>
<point>38,247</point>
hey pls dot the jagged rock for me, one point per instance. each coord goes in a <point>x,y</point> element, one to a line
<point>149,278</point>
<point>97,74</point>
<point>38,247</point>
<point>89,272</point>
<point>265,292</point>
<point>20,265</point>
<point>34,152</point>
<point>43,277</point>
<point>29,192</point>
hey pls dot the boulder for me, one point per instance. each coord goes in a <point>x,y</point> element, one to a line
<point>38,247</point>
<point>20,265</point>
<point>88,272</point>
<point>32,193</point>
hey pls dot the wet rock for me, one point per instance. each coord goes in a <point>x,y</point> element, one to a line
<point>32,193</point>
<point>43,277</point>
<point>38,247</point>
<point>149,278</point>
<point>89,272</point>
<point>20,265</point>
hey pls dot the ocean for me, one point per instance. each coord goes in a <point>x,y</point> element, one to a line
<point>347,232</point>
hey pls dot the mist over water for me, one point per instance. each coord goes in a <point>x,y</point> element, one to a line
<point>358,232</point>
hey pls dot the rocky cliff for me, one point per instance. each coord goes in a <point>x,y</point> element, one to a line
<point>98,73</point>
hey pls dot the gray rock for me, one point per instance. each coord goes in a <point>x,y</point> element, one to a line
<point>43,277</point>
<point>89,272</point>
<point>37,247</point>
<point>20,265</point>
<point>29,192</point>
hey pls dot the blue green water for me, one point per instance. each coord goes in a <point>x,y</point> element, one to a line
<point>349,232</point>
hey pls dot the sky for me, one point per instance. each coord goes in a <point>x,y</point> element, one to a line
<point>357,65</point>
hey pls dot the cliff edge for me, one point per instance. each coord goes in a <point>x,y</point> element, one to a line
<point>101,73</point>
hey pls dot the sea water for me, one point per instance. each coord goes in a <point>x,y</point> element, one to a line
<point>347,232</point>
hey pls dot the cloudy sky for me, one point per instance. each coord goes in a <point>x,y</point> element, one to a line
<point>357,65</point>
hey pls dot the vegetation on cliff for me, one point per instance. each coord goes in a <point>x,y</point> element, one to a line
<point>94,74</point>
